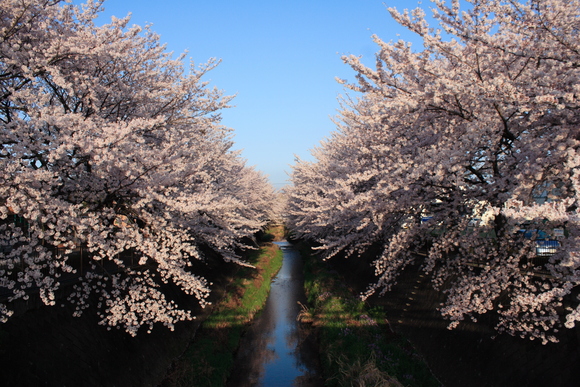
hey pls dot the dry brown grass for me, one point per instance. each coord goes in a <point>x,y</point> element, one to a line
<point>278,232</point>
<point>365,374</point>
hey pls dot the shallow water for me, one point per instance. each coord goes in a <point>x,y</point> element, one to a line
<point>276,351</point>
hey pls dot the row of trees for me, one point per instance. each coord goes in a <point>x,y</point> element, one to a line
<point>449,150</point>
<point>108,143</point>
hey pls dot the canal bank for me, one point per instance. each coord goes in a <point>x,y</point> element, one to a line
<point>208,359</point>
<point>357,343</point>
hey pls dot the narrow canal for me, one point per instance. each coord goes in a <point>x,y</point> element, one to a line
<point>276,351</point>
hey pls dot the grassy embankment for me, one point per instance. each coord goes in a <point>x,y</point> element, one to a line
<point>358,346</point>
<point>210,357</point>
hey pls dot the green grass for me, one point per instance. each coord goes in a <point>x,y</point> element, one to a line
<point>358,346</point>
<point>210,357</point>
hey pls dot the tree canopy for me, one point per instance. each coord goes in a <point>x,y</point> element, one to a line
<point>461,156</point>
<point>108,143</point>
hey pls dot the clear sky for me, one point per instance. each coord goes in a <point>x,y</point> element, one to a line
<point>279,57</point>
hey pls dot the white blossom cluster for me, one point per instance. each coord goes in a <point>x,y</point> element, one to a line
<point>450,149</point>
<point>108,144</point>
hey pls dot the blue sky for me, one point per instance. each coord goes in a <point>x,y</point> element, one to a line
<point>279,57</point>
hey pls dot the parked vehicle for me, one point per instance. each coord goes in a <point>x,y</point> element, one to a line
<point>546,244</point>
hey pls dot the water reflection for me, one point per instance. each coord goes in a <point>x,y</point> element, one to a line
<point>276,351</point>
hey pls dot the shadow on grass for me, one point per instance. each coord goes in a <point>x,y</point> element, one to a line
<point>359,345</point>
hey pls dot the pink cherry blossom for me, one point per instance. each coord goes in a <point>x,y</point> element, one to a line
<point>443,152</point>
<point>109,144</point>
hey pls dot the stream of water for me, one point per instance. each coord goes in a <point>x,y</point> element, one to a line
<point>276,351</point>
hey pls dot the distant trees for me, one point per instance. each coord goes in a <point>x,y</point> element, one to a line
<point>107,143</point>
<point>451,150</point>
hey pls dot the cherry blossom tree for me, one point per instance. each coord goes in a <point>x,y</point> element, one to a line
<point>449,151</point>
<point>107,143</point>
